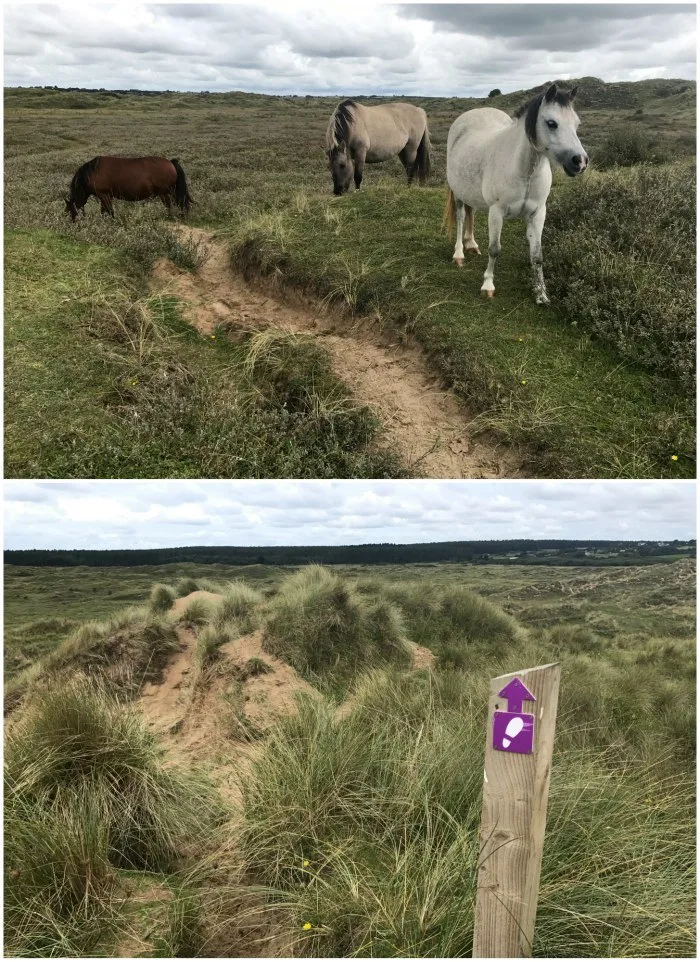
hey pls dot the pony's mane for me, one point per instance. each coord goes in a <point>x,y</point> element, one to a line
<point>339,126</point>
<point>80,177</point>
<point>532,108</point>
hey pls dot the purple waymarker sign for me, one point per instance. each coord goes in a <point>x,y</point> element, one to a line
<point>514,730</point>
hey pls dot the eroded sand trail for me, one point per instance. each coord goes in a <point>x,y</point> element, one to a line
<point>426,424</point>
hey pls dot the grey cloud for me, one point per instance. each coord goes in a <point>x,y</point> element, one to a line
<point>75,514</point>
<point>427,49</point>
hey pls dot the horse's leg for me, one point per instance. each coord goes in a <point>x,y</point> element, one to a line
<point>359,165</point>
<point>408,158</point>
<point>471,244</point>
<point>167,202</point>
<point>458,256</point>
<point>105,204</point>
<point>495,225</point>
<point>534,237</point>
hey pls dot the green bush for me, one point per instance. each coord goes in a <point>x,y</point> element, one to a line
<point>620,253</point>
<point>626,146</point>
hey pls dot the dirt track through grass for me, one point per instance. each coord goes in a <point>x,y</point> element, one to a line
<point>427,425</point>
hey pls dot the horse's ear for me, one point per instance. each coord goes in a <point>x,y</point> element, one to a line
<point>572,93</point>
<point>551,93</point>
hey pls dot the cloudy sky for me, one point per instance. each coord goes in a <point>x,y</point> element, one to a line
<point>343,48</point>
<point>137,514</point>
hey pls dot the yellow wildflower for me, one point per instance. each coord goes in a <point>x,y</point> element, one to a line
<point>306,926</point>
<point>674,457</point>
<point>523,382</point>
<point>305,863</point>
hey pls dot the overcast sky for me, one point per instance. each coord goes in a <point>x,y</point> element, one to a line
<point>343,48</point>
<point>138,514</point>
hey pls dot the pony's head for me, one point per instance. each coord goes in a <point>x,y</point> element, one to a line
<point>341,167</point>
<point>71,207</point>
<point>551,124</point>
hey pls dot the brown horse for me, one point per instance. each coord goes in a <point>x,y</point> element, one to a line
<point>128,178</point>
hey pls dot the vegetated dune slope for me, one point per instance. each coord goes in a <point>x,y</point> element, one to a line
<point>311,774</point>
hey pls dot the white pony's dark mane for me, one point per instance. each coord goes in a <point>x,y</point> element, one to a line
<point>532,108</point>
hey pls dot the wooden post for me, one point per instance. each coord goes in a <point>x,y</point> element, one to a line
<point>516,790</point>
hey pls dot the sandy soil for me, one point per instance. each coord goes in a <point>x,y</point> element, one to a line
<point>426,424</point>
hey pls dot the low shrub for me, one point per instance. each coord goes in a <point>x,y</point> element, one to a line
<point>625,146</point>
<point>625,274</point>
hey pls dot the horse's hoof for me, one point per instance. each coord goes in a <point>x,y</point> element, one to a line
<point>488,293</point>
<point>473,250</point>
<point>545,301</point>
<point>459,261</point>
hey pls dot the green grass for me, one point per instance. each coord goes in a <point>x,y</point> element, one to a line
<point>585,408</point>
<point>366,828</point>
<point>536,378</point>
<point>322,626</point>
<point>104,381</point>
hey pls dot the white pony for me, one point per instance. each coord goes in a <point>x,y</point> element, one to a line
<point>502,165</point>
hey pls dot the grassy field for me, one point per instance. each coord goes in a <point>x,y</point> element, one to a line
<point>601,385</point>
<point>310,785</point>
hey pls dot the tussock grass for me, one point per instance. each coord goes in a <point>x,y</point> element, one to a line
<point>127,650</point>
<point>240,604</point>
<point>196,613</point>
<point>162,598</point>
<point>185,586</point>
<point>460,626</point>
<point>86,794</point>
<point>366,827</point>
<point>319,622</point>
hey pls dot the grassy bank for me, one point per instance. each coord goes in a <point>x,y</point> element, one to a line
<point>105,381</point>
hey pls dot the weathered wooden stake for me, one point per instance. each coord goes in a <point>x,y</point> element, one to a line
<point>516,788</point>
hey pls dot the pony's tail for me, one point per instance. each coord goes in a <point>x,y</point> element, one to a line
<point>449,219</point>
<point>422,167</point>
<point>182,195</point>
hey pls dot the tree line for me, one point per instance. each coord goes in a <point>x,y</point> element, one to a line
<point>475,552</point>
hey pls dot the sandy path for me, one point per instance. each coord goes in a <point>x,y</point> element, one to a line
<point>427,425</point>
<point>165,704</point>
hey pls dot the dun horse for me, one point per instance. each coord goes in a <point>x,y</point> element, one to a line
<point>358,135</point>
<point>502,165</point>
<point>128,178</point>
